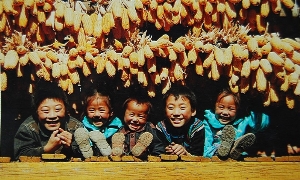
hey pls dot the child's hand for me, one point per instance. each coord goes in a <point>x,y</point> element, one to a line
<point>65,137</point>
<point>176,149</point>
<point>292,149</point>
<point>54,143</point>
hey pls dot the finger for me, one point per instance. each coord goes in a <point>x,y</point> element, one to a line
<point>54,133</point>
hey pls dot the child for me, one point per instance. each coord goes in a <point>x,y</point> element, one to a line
<point>181,132</point>
<point>99,125</point>
<point>138,136</point>
<point>227,135</point>
<point>50,128</point>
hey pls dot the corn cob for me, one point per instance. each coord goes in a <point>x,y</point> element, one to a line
<point>166,85</point>
<point>233,88</point>
<point>126,62</point>
<point>208,60</point>
<point>101,64</point>
<point>58,24</point>
<point>244,85</point>
<point>219,56</point>
<point>280,72</point>
<point>124,75</point>
<point>56,70</point>
<point>297,89</point>
<point>151,65</point>
<point>266,49</point>
<point>261,80</point>
<point>289,65</point>
<point>48,63</point>
<point>290,100</point>
<point>275,59</point>
<point>86,69</point>
<point>127,50</point>
<point>246,69</point>
<point>141,57</point>
<point>192,56</point>
<point>295,57</point>
<point>40,35</point>
<point>293,43</point>
<point>3,81</point>
<point>266,66</point>
<point>207,48</point>
<point>151,90</point>
<point>293,78</point>
<point>142,78</point>
<point>285,85</point>
<point>87,24</point>
<point>133,68</point>
<point>11,59</point>
<point>254,64</point>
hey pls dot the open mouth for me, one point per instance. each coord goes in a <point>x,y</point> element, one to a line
<point>134,126</point>
<point>52,122</point>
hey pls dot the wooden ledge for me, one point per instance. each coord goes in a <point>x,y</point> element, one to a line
<point>150,170</point>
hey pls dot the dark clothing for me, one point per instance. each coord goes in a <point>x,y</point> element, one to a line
<point>191,136</point>
<point>131,137</point>
<point>32,136</point>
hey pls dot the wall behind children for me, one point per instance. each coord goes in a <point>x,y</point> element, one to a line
<point>145,46</point>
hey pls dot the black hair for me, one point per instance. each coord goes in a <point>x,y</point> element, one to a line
<point>180,90</point>
<point>93,91</point>
<point>48,90</point>
<point>227,92</point>
<point>139,100</point>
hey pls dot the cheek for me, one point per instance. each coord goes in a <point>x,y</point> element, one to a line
<point>90,115</point>
<point>42,116</point>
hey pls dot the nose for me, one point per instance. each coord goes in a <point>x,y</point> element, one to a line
<point>176,111</point>
<point>52,114</point>
<point>225,112</point>
<point>97,114</point>
<point>134,119</point>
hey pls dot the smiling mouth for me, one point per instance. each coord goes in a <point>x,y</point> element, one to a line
<point>52,122</point>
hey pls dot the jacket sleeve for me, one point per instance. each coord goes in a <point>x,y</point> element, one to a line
<point>26,143</point>
<point>156,147</point>
<point>208,143</point>
<point>258,121</point>
<point>197,143</point>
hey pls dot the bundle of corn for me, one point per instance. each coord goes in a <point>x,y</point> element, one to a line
<point>58,42</point>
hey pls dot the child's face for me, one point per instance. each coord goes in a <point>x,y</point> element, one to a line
<point>136,115</point>
<point>98,111</point>
<point>179,111</point>
<point>51,112</point>
<point>226,109</point>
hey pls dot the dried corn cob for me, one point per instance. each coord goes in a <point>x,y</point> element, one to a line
<point>266,66</point>
<point>290,100</point>
<point>11,59</point>
<point>101,63</point>
<point>3,81</point>
<point>295,57</point>
<point>261,80</point>
<point>297,89</point>
<point>86,69</point>
<point>275,59</point>
<point>293,78</point>
<point>289,65</point>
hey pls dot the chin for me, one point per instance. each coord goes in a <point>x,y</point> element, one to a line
<point>224,122</point>
<point>52,128</point>
<point>98,124</point>
<point>178,125</point>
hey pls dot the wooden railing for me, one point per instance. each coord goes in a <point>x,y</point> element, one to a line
<point>251,168</point>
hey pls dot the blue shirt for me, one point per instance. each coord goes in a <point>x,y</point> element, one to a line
<point>253,123</point>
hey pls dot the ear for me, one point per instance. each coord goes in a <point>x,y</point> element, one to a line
<point>194,112</point>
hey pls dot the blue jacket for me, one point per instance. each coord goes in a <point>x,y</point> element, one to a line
<point>213,128</point>
<point>108,129</point>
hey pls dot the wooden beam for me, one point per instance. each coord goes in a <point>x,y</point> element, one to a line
<point>150,170</point>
